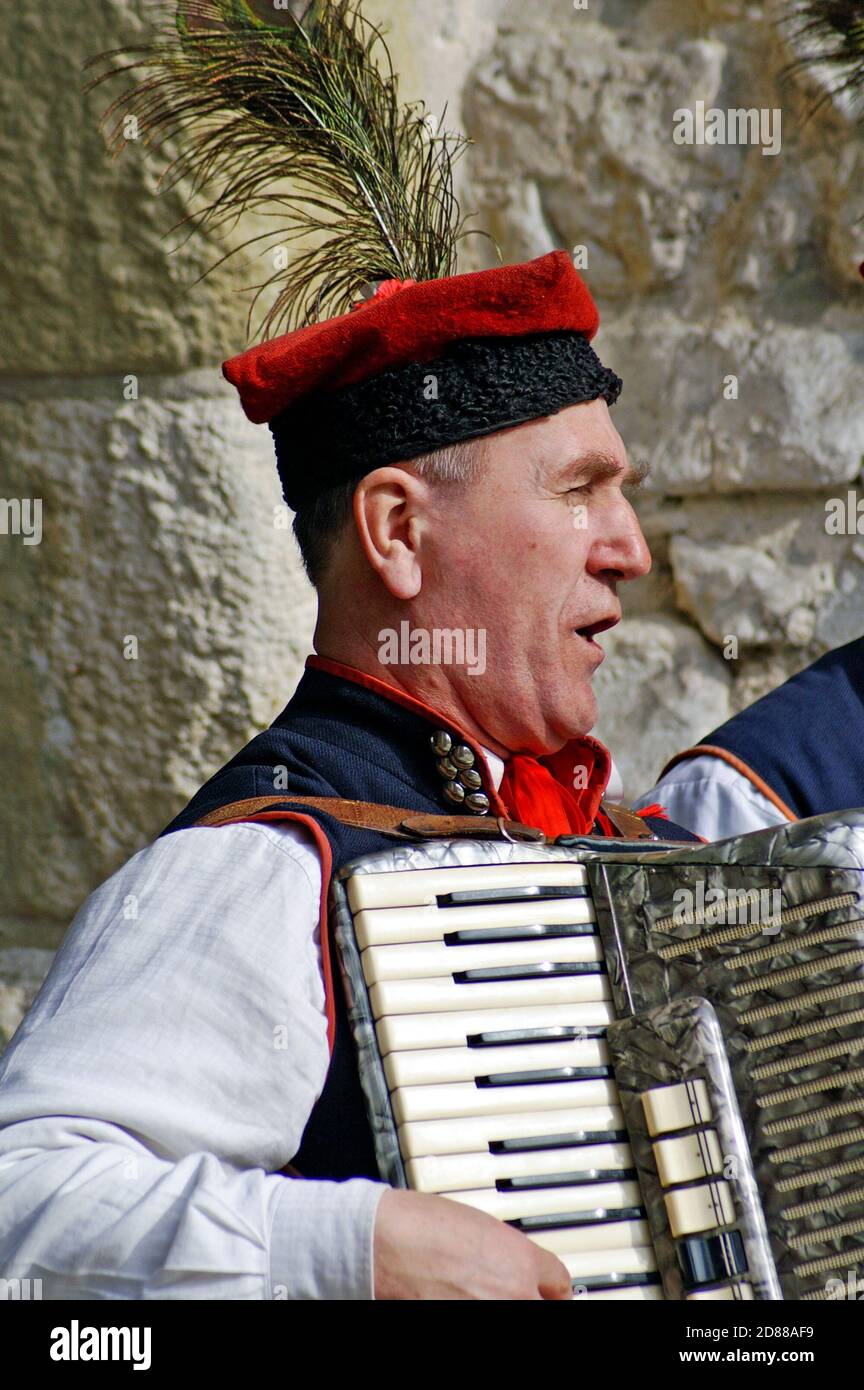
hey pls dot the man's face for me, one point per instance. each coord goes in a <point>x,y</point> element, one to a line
<point>532,554</point>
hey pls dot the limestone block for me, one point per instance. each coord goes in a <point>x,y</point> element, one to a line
<point>586,113</point>
<point>761,573</point>
<point>161,621</point>
<point>658,690</point>
<point>92,280</point>
<point>795,422</point>
<point>22,971</point>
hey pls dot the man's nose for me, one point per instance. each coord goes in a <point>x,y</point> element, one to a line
<point>623,547</point>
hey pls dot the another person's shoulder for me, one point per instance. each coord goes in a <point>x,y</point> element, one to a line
<point>712,798</point>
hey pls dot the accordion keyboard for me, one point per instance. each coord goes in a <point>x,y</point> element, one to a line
<point>490,1000</point>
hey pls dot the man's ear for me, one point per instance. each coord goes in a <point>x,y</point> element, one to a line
<point>389,511</point>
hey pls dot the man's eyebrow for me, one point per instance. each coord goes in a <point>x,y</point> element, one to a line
<point>597,463</point>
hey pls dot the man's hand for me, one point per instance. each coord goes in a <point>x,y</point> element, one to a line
<point>433,1248</point>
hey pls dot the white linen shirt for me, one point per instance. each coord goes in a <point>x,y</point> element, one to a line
<point>163,1075</point>
<point>708,796</point>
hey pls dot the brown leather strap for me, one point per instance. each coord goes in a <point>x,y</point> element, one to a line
<point>389,820</point>
<point>415,825</point>
<point>631,826</point>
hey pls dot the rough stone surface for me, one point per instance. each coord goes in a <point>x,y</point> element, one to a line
<point>160,620</point>
<point>95,285</point>
<point>708,262</point>
<point>731,304</point>
<point>661,683</point>
<point>22,971</point>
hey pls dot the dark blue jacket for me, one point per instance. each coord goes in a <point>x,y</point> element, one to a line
<point>802,745</point>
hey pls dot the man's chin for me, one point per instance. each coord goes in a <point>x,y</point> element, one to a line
<point>578,715</point>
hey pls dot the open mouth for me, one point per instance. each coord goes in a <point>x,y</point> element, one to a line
<point>589,632</point>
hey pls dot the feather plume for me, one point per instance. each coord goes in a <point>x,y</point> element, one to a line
<point>295,118</point>
<point>829,35</point>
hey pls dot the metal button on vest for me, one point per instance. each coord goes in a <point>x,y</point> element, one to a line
<point>462,781</point>
<point>447,768</point>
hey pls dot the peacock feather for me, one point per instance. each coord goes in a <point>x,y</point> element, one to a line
<point>295,117</point>
<point>829,34</point>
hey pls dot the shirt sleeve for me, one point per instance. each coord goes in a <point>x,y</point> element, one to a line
<point>163,1076</point>
<point>710,797</point>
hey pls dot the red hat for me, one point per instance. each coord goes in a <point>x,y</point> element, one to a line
<point>409,322</point>
<point>422,365</point>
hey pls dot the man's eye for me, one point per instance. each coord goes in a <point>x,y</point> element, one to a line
<point>580,491</point>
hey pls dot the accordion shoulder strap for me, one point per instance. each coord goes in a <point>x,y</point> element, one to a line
<point>406,824</point>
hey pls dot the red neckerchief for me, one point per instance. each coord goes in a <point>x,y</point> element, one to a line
<point>560,793</point>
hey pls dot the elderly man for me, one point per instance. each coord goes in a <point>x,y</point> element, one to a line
<point>450,455</point>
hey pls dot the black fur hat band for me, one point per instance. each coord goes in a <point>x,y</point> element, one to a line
<point>476,387</point>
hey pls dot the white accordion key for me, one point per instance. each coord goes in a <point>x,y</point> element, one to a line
<point>437,995</point>
<point>591,1264</point>
<point>526,1131</point>
<point>702,1208</point>
<point>388,925</point>
<point>434,958</point>
<point>443,1064</point>
<point>510,1206</point>
<point>411,1103</point>
<point>445,1173</point>
<point>611,1235</point>
<point>688,1157</point>
<point>677,1107</point>
<point>399,1033</point>
<point>414,887</point>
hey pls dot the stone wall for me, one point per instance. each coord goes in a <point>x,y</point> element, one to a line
<point>709,263</point>
<point>163,618</point>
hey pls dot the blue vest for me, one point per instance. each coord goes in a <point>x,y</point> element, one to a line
<point>805,740</point>
<point>337,738</point>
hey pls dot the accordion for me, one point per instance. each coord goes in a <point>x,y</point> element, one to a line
<point>649,1060</point>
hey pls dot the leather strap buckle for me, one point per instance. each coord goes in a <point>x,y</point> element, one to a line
<point>518,833</point>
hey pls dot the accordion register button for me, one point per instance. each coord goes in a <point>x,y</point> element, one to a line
<point>702,1208</point>
<point>676,1107</point>
<point>740,1292</point>
<point>688,1157</point>
<point>710,1259</point>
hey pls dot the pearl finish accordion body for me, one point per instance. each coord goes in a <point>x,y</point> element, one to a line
<point>650,1060</point>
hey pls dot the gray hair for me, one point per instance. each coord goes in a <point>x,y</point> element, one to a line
<point>320,522</point>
